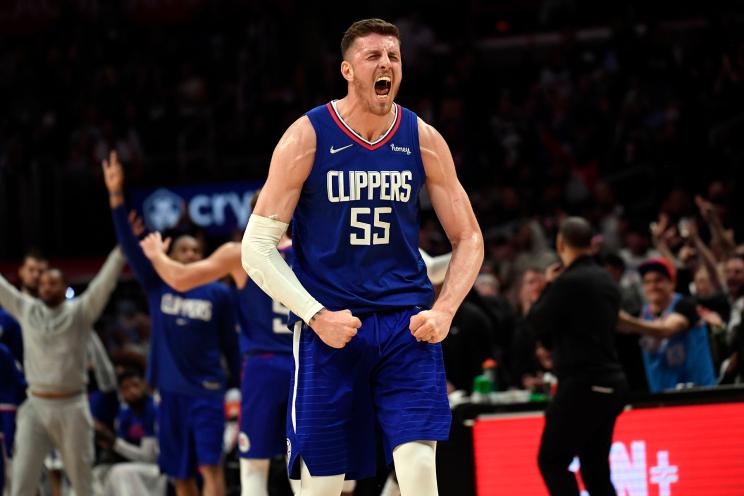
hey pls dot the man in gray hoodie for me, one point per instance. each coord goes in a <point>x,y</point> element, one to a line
<point>56,332</point>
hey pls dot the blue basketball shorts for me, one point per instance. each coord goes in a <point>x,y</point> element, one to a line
<point>190,433</point>
<point>7,435</point>
<point>382,377</point>
<point>263,406</point>
<point>7,429</point>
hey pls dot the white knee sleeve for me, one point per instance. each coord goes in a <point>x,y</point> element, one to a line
<point>330,485</point>
<point>415,466</point>
<point>254,477</point>
<point>349,486</point>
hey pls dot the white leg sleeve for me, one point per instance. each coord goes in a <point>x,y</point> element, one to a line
<point>391,487</point>
<point>330,485</point>
<point>415,465</point>
<point>349,486</point>
<point>254,477</point>
<point>295,485</point>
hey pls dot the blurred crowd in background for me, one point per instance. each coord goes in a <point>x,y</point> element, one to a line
<point>629,116</point>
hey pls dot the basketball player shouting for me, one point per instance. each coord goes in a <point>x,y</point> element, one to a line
<point>366,349</point>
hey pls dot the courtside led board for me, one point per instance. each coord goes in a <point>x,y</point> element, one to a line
<point>673,451</point>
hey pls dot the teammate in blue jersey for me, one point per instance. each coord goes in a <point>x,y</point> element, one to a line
<point>134,441</point>
<point>366,347</point>
<point>266,346</point>
<point>12,392</point>
<point>10,335</point>
<point>190,332</point>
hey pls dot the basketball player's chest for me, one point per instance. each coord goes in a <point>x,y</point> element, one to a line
<point>390,174</point>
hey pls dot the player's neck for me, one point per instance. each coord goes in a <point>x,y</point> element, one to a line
<point>366,124</point>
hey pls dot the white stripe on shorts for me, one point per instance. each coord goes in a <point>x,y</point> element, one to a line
<point>296,354</point>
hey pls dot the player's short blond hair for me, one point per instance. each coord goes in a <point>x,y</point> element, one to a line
<point>365,27</point>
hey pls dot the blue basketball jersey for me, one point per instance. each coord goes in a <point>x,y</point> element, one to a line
<point>356,225</point>
<point>10,335</point>
<point>263,321</point>
<point>684,357</point>
<point>132,427</point>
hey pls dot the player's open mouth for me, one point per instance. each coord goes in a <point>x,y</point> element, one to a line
<point>383,85</point>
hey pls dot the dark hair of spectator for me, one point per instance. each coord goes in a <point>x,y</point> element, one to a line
<point>576,232</point>
<point>35,254</point>
<point>175,235</point>
<point>129,374</point>
<point>614,260</point>
<point>365,27</point>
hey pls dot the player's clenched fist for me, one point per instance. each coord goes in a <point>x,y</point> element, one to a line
<point>431,326</point>
<point>335,328</point>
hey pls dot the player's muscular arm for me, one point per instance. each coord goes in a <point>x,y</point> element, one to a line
<point>182,277</point>
<point>455,213</point>
<point>290,166</point>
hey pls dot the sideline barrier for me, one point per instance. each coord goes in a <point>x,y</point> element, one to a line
<point>679,443</point>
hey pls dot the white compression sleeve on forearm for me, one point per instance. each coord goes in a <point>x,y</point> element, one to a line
<point>436,267</point>
<point>263,263</point>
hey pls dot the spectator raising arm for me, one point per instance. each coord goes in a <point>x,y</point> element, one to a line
<point>113,174</point>
<point>661,232</point>
<point>94,299</point>
<point>722,241</point>
<point>708,258</point>
<point>12,300</point>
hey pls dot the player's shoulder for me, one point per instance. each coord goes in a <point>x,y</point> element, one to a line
<point>298,138</point>
<point>302,128</point>
<point>428,134</point>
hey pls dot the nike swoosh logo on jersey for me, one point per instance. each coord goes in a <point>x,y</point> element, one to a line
<point>336,150</point>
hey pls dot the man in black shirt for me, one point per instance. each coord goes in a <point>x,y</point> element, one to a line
<point>469,343</point>
<point>576,316</point>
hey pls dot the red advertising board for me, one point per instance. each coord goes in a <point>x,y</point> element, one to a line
<point>673,451</point>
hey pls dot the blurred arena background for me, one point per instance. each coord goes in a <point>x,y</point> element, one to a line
<point>626,113</point>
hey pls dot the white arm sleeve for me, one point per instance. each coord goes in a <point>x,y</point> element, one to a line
<point>266,267</point>
<point>436,267</point>
<point>146,452</point>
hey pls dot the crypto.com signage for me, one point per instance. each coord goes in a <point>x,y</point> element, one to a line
<point>672,451</point>
<point>219,209</point>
